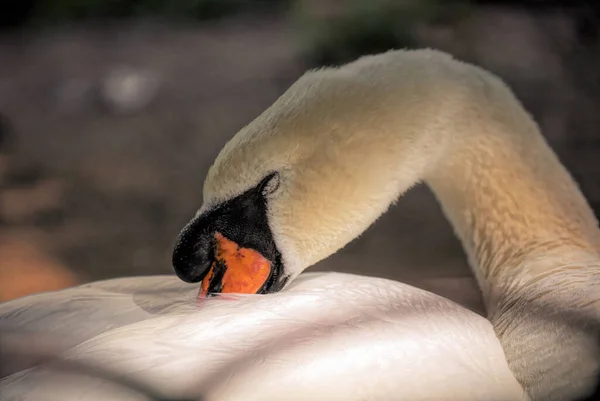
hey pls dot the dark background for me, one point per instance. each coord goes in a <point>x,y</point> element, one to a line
<point>111,112</point>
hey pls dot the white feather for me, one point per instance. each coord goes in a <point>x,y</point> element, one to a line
<point>329,336</point>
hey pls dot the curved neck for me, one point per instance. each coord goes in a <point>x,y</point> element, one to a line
<point>514,206</point>
<point>531,238</point>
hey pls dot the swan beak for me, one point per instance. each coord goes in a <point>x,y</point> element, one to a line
<point>230,248</point>
<point>235,270</point>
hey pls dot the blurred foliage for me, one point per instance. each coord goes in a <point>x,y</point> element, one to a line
<point>336,35</point>
<point>331,32</point>
<point>18,13</point>
<point>334,32</point>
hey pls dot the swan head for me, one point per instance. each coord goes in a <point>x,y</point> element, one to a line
<point>308,175</point>
<point>230,247</point>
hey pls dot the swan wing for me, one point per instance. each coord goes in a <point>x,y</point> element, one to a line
<point>330,336</point>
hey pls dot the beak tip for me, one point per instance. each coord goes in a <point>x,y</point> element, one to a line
<point>189,269</point>
<point>192,254</point>
<point>186,278</point>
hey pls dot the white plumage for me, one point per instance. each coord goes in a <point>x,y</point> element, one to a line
<point>330,336</point>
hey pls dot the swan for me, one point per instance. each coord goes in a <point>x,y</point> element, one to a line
<point>341,145</point>
<point>298,183</point>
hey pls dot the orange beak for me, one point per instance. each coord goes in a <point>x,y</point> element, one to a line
<point>235,270</point>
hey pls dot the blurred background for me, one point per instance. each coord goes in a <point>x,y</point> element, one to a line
<point>111,112</point>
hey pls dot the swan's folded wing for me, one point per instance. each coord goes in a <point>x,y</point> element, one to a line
<point>331,337</point>
<point>40,326</point>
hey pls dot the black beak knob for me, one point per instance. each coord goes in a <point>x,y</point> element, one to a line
<point>193,253</point>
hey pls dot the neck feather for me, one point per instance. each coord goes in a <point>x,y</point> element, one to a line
<point>514,206</point>
<point>531,238</point>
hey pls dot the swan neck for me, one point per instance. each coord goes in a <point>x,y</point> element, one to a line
<point>511,202</point>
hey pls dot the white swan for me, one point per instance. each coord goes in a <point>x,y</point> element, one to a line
<point>306,177</point>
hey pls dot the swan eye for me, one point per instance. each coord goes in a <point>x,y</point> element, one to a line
<point>269,184</point>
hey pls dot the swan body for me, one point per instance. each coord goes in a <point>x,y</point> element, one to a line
<point>328,336</point>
